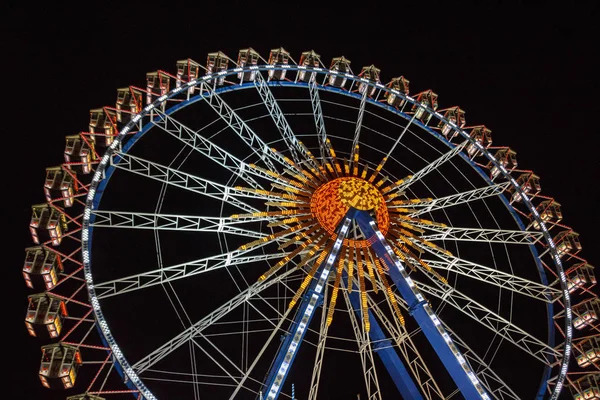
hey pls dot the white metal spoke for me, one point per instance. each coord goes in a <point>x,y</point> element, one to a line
<point>358,126</point>
<point>123,219</point>
<point>261,352</point>
<point>180,271</point>
<point>207,148</point>
<point>198,327</point>
<point>296,151</point>
<point>456,199</point>
<point>431,166</point>
<point>496,323</point>
<point>204,349</point>
<point>186,378</point>
<point>478,234</point>
<point>315,101</point>
<point>364,349</point>
<point>400,136</point>
<point>186,181</point>
<point>490,276</point>
<point>242,130</point>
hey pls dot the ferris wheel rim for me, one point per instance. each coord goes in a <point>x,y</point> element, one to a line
<point>93,200</point>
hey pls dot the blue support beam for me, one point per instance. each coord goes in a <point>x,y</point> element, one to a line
<point>386,352</point>
<point>310,301</point>
<point>456,365</point>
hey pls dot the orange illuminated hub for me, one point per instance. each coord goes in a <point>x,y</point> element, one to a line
<point>332,200</point>
<point>314,226</point>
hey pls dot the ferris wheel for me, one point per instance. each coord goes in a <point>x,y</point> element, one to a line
<point>266,228</point>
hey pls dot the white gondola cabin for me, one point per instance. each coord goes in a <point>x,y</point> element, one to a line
<point>483,139</point>
<point>59,184</point>
<point>47,223</point>
<point>187,70</point>
<point>310,60</point>
<point>247,58</point>
<point>41,268</point>
<point>586,313</point>
<point>549,212</point>
<point>567,243</point>
<point>79,153</point>
<point>278,57</point>
<point>456,119</point>
<point>215,63</point>
<point>586,387</point>
<point>129,102</point>
<point>581,276</point>
<point>507,158</point>
<point>341,65</point>
<point>372,73</point>
<point>59,366</point>
<point>401,85</point>
<point>424,100</point>
<point>587,351</point>
<point>45,313</point>
<point>158,83</point>
<point>530,186</point>
<point>103,127</point>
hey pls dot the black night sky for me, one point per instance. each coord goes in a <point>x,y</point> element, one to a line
<point>526,71</point>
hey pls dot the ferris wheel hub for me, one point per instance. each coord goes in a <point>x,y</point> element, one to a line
<point>331,201</point>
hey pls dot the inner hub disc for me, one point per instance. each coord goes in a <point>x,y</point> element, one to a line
<point>332,200</point>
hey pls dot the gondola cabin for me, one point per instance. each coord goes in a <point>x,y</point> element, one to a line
<point>567,243</point>
<point>482,138</point>
<point>47,224</point>
<point>424,100</point>
<point>507,158</point>
<point>42,268</point>
<point>59,184</point>
<point>548,211</point>
<point>59,366</point>
<point>85,396</point>
<point>371,73</point>
<point>456,118</point>
<point>247,58</point>
<point>530,186</point>
<point>581,276</point>
<point>587,387</point>
<point>588,351</point>
<point>129,102</point>
<point>215,63</point>
<point>278,57</point>
<point>158,83</point>
<point>341,65</point>
<point>45,314</point>
<point>79,153</point>
<point>585,314</point>
<point>187,70</point>
<point>103,126</point>
<point>309,60</point>
<point>399,85</point>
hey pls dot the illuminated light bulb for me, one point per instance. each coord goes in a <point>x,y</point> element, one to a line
<point>334,293</point>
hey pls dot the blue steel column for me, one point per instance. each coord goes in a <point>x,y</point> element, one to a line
<point>456,365</point>
<point>310,301</point>
<point>384,349</point>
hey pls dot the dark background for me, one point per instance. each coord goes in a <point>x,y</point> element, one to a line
<point>527,71</point>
